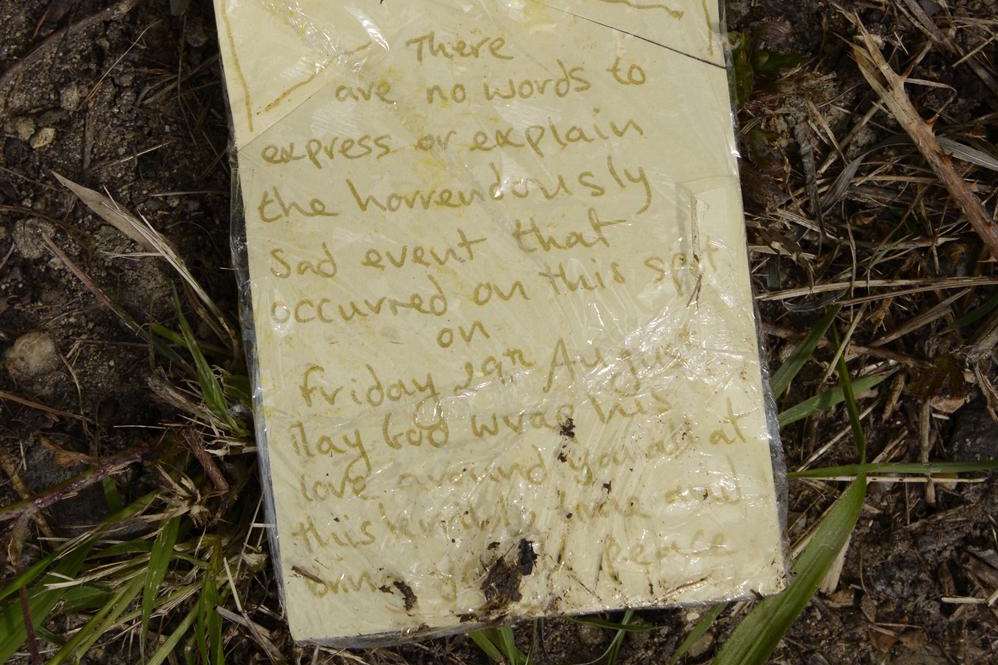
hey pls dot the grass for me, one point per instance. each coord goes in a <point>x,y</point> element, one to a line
<point>112,579</point>
<point>828,398</point>
<point>184,554</point>
<point>780,382</point>
<point>499,644</point>
<point>159,563</point>
<point>760,631</point>
<point>178,563</point>
<point>149,580</point>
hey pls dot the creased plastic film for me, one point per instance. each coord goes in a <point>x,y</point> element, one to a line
<point>498,310</point>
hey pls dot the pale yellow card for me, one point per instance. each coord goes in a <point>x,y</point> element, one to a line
<point>505,347</point>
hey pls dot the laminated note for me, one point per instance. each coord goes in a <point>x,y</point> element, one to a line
<point>502,332</point>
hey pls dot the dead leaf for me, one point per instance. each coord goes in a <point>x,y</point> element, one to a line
<point>143,234</point>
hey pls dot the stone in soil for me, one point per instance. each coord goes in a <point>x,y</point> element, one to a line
<point>29,238</point>
<point>69,97</point>
<point>43,138</point>
<point>23,127</point>
<point>32,356</point>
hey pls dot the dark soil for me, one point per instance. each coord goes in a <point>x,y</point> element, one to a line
<point>158,147</point>
<point>134,103</point>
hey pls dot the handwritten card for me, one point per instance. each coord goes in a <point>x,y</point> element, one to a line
<point>505,349</point>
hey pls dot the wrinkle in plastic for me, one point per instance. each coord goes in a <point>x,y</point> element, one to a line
<point>495,280</point>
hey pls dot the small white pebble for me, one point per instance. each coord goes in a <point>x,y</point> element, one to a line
<point>43,138</point>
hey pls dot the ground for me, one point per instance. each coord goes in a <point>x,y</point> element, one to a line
<point>128,97</point>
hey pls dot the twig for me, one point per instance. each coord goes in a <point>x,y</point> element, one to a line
<point>924,284</point>
<point>93,90</point>
<point>803,134</point>
<point>9,466</point>
<point>259,633</point>
<point>935,34</point>
<point>852,351</point>
<point>885,81</point>
<point>38,406</point>
<point>923,319</point>
<point>917,480</point>
<point>17,536</point>
<point>844,345</point>
<point>75,485</point>
<point>964,600</point>
<point>217,479</point>
<point>816,455</point>
<point>29,627</point>
<point>988,390</point>
<point>985,340</point>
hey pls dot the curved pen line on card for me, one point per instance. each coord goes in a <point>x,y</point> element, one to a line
<point>247,102</point>
<point>277,101</point>
<point>674,13</point>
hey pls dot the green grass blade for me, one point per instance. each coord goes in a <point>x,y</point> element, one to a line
<point>845,381</point>
<point>481,639</point>
<point>612,651</point>
<point>174,599</point>
<point>178,340</point>
<point>159,562</point>
<point>41,601</point>
<point>111,494</point>
<point>100,623</point>
<point>928,468</point>
<point>698,631</point>
<point>784,376</point>
<point>168,647</point>
<point>237,387</point>
<point>67,562</point>
<point>212,391</point>
<point>758,634</point>
<point>135,546</point>
<point>27,575</point>
<point>47,635</point>
<point>82,598</point>
<point>211,388</point>
<point>829,398</point>
<point>618,639</point>
<point>167,334</point>
<point>508,644</point>
<point>208,629</point>
<point>215,636</point>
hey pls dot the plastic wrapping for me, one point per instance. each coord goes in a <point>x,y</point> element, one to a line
<point>497,300</point>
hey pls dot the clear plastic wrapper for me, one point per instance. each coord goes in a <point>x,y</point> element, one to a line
<point>497,299</point>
